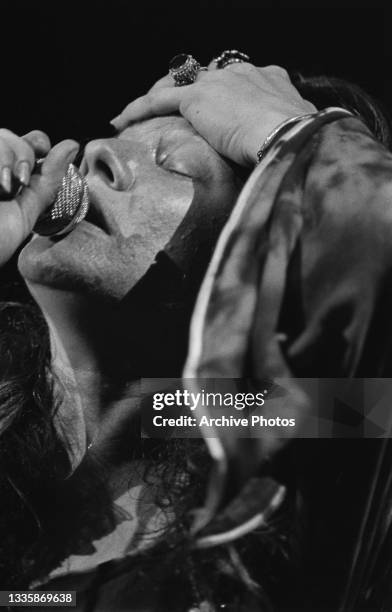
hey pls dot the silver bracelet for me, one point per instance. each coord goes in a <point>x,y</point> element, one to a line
<point>283,127</point>
<point>277,132</point>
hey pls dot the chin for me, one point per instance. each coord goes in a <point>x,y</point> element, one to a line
<point>35,262</point>
<point>89,266</point>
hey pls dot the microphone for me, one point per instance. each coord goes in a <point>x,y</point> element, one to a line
<point>69,207</point>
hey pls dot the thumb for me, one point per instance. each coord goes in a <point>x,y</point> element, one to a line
<point>43,188</point>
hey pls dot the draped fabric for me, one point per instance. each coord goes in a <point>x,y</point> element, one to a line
<point>300,284</point>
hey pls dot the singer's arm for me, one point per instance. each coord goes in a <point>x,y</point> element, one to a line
<point>23,194</point>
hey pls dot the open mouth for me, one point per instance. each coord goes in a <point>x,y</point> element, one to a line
<point>94,214</point>
<point>95,217</point>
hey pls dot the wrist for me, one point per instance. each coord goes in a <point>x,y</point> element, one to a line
<point>296,123</point>
<point>278,132</point>
<point>264,128</point>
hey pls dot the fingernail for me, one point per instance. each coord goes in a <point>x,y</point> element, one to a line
<point>114,121</point>
<point>23,172</point>
<point>6,179</point>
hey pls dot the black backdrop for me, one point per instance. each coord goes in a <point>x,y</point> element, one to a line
<point>67,67</point>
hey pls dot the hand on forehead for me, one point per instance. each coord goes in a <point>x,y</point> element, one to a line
<point>234,109</point>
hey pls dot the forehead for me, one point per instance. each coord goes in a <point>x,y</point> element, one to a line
<point>159,126</point>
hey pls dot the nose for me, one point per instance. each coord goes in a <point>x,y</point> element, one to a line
<point>109,160</point>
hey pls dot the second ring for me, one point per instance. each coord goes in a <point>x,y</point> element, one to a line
<point>231,56</point>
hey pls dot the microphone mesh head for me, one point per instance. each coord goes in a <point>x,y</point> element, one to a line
<point>69,208</point>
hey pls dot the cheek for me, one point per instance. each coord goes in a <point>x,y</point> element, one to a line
<point>140,228</point>
<point>152,215</point>
<point>197,235</point>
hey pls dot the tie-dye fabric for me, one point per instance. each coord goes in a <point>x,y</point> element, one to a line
<point>300,282</point>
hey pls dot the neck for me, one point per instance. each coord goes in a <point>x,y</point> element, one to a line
<point>86,339</point>
<point>86,342</point>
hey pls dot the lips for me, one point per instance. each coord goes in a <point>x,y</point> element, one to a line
<point>95,214</point>
<point>95,217</point>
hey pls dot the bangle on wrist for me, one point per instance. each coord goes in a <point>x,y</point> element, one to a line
<point>331,112</point>
<point>278,131</point>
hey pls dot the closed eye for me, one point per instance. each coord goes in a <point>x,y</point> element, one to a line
<point>171,164</point>
<point>169,157</point>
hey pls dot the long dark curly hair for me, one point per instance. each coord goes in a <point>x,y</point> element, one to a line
<point>44,515</point>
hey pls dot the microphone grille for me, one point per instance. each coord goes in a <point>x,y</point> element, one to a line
<point>69,208</point>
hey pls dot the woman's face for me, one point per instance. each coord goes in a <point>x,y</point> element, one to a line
<point>142,185</point>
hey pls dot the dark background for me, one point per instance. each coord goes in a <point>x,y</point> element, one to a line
<point>67,67</point>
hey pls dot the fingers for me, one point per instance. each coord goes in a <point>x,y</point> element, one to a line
<point>166,81</point>
<point>242,67</point>
<point>163,98</point>
<point>261,76</point>
<point>254,72</point>
<point>39,142</point>
<point>159,101</point>
<point>6,163</point>
<point>275,71</point>
<point>42,188</point>
<point>17,157</point>
<point>212,65</point>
